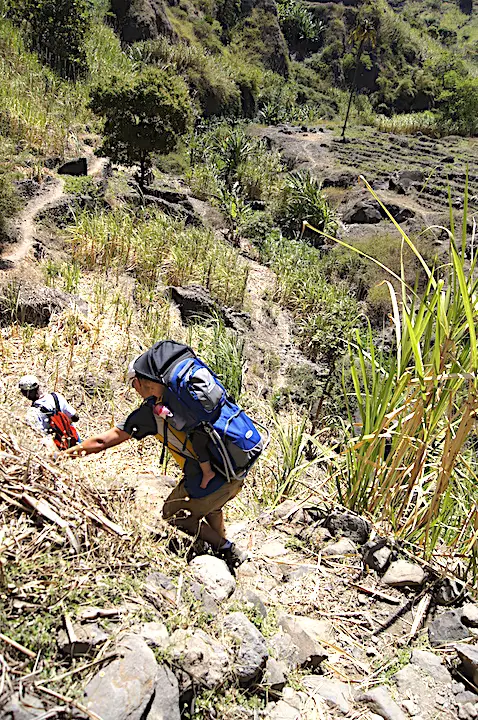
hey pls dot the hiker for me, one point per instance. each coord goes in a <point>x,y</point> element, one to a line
<point>195,504</point>
<point>50,413</point>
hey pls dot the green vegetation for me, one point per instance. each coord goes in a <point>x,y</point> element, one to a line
<point>412,464</point>
<point>56,30</point>
<point>143,115</point>
<point>302,200</point>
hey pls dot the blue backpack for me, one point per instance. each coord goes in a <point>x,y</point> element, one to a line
<point>198,399</point>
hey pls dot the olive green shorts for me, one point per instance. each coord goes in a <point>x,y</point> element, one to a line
<point>186,512</point>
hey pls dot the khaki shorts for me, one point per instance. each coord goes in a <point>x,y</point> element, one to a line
<point>186,513</point>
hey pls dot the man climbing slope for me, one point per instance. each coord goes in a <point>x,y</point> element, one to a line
<point>49,413</point>
<point>191,507</point>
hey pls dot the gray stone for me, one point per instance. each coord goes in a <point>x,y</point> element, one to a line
<point>377,555</point>
<point>155,634</point>
<point>402,573</point>
<point>250,649</point>
<point>27,707</point>
<point>449,591</point>
<point>311,637</point>
<point>201,657</point>
<point>468,711</point>
<point>344,546</point>
<point>427,692</point>
<point>123,689</point>
<point>86,639</point>
<point>165,705</point>
<point>468,655</point>
<point>214,574</point>
<point>363,212</point>
<point>78,166</point>
<point>411,707</point>
<point>281,711</point>
<point>206,600</point>
<point>381,702</point>
<point>282,647</point>
<point>466,696</point>
<point>447,628</point>
<point>335,693</point>
<point>469,615</point>
<point>431,664</point>
<point>35,304</point>
<point>275,675</point>
<point>343,523</point>
<point>195,302</point>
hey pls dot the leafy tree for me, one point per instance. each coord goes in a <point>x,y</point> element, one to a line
<point>57,30</point>
<point>364,33</point>
<point>458,103</point>
<point>145,114</point>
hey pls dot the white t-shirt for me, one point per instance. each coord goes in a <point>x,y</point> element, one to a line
<point>38,420</point>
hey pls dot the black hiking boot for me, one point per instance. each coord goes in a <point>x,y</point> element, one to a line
<point>232,556</point>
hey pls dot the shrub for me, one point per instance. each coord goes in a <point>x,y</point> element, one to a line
<point>458,103</point>
<point>57,31</point>
<point>9,200</point>
<point>143,115</point>
<point>297,22</point>
<point>302,200</point>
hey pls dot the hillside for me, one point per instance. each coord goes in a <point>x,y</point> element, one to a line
<point>181,170</point>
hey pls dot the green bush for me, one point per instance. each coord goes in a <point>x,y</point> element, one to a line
<point>9,200</point>
<point>302,200</point>
<point>458,104</point>
<point>143,115</point>
<point>297,22</point>
<point>57,31</point>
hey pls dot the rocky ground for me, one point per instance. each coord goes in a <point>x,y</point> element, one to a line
<point>324,620</point>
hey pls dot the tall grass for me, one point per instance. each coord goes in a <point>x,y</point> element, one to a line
<point>413,464</point>
<point>37,108</point>
<point>223,350</point>
<point>159,250</point>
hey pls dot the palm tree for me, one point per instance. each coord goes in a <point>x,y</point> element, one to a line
<point>363,33</point>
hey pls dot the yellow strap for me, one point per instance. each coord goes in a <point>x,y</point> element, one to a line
<point>176,443</point>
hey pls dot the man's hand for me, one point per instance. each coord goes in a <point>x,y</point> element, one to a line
<point>97,443</point>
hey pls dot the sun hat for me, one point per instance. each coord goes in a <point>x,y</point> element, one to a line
<point>28,382</point>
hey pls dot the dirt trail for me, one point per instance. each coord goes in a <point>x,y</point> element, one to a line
<point>24,224</point>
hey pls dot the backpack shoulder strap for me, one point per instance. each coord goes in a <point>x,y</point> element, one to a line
<point>56,401</point>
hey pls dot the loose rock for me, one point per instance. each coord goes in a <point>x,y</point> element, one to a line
<point>469,615</point>
<point>344,546</point>
<point>27,707</point>
<point>250,647</point>
<point>431,664</point>
<point>335,693</point>
<point>34,305</point>
<point>308,635</point>
<point>214,574</point>
<point>402,573</point>
<point>123,689</point>
<point>377,555</point>
<point>343,523</point>
<point>282,647</point>
<point>155,634</point>
<point>87,638</point>
<point>275,675</point>
<point>446,628</point>
<point>468,655</point>
<point>165,705</point>
<point>381,702</point>
<point>201,657</point>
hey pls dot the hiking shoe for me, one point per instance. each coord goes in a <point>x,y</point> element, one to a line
<point>232,556</point>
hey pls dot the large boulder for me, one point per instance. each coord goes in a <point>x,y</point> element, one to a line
<point>35,304</point>
<point>123,689</point>
<point>250,649</point>
<point>138,20</point>
<point>195,302</point>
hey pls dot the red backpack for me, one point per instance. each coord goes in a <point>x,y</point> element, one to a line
<point>64,433</point>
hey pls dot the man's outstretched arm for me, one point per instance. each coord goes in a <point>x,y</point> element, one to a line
<point>98,443</point>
